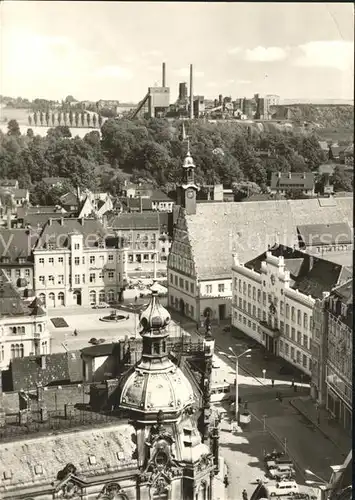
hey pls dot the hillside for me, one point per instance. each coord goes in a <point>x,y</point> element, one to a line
<point>338,115</point>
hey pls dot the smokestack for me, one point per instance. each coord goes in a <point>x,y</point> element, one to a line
<point>163,81</point>
<point>191,93</point>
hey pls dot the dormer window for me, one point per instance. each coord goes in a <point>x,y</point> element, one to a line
<point>38,469</point>
<point>5,260</point>
<point>22,260</point>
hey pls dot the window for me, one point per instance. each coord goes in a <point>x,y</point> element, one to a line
<point>254,292</point>
<point>292,313</point>
<point>249,323</point>
<point>254,311</point>
<point>310,364</point>
<point>240,303</point>
<point>304,360</point>
<point>305,320</point>
<point>51,279</point>
<point>281,346</point>
<point>287,311</point>
<point>249,308</point>
<point>51,260</point>
<point>221,288</point>
<point>264,316</point>
<point>110,257</point>
<point>310,344</point>
<point>240,285</point>
<point>244,320</point>
<point>240,317</point>
<point>77,261</point>
<point>264,298</point>
<point>192,288</point>
<point>186,285</point>
<point>77,279</point>
<point>18,273</point>
<point>287,330</point>
<point>281,326</point>
<point>259,295</point>
<point>208,288</point>
<point>41,260</point>
<point>181,283</point>
<point>235,283</point>
<point>293,333</point>
<point>111,296</point>
<point>249,290</point>
<point>292,353</point>
<point>281,307</point>
<point>76,246</point>
<point>41,279</point>
<point>298,337</point>
<point>60,260</point>
<point>244,288</point>
<point>92,278</point>
<point>299,316</point>
<point>83,279</point>
<point>244,305</point>
<point>92,259</point>
<point>111,275</point>
<point>176,280</point>
<point>27,273</point>
<point>259,313</point>
<point>305,341</point>
<point>83,260</point>
<point>286,349</point>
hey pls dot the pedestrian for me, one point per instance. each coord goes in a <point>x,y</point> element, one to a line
<point>293,383</point>
<point>75,332</point>
<point>272,383</point>
<point>245,495</point>
<point>280,397</point>
<point>136,299</point>
<point>226,480</point>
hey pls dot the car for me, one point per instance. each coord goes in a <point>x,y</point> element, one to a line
<point>101,305</point>
<point>282,488</point>
<point>282,471</point>
<point>93,341</point>
<point>271,464</point>
<point>273,455</point>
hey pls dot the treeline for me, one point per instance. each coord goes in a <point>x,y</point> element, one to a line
<point>71,118</point>
<point>153,150</point>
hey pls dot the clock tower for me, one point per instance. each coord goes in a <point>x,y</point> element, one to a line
<point>186,193</point>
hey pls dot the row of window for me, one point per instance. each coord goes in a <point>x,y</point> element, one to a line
<point>254,293</point>
<point>290,352</point>
<point>275,323</point>
<point>182,306</point>
<point>181,283</point>
<point>77,278</point>
<point>102,296</point>
<point>17,272</point>
<point>92,259</point>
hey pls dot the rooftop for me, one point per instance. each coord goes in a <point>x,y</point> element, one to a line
<point>135,220</point>
<point>17,243</point>
<point>69,199</point>
<point>325,234</point>
<point>310,275</point>
<point>11,303</point>
<point>248,228</point>
<point>282,179</point>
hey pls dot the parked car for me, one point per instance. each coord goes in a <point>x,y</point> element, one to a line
<point>282,488</point>
<point>101,305</point>
<point>282,471</point>
<point>271,464</point>
<point>95,341</point>
<point>274,455</point>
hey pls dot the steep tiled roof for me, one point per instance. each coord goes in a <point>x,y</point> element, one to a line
<point>40,219</point>
<point>146,203</point>
<point>325,234</point>
<point>27,372</point>
<point>135,220</point>
<point>345,292</point>
<point>219,229</point>
<point>11,303</point>
<point>57,231</point>
<point>312,275</point>
<point>16,243</point>
<point>283,180</point>
<point>158,195</point>
<point>9,183</point>
<point>111,445</point>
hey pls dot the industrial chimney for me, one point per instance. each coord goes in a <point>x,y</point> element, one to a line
<point>163,69</point>
<point>191,93</point>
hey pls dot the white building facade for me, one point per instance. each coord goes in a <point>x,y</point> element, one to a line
<point>79,274</point>
<point>268,310</point>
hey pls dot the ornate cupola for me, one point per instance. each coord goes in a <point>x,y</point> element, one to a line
<point>155,384</point>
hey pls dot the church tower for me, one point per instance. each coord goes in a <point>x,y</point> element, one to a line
<point>187,192</point>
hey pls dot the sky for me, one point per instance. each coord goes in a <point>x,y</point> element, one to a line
<point>114,50</point>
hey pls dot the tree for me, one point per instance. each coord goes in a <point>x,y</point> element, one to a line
<point>295,194</point>
<point>29,120</point>
<point>53,119</point>
<point>30,133</point>
<point>65,118</point>
<point>100,120</point>
<point>71,118</point>
<point>342,180</point>
<point>82,114</point>
<point>76,119</point>
<point>35,118</point>
<point>13,129</point>
<point>59,118</point>
<point>245,189</point>
<point>88,118</point>
<point>41,117</point>
<point>94,120</point>
<point>47,118</point>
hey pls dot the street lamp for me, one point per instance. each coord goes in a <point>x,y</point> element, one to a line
<point>236,358</point>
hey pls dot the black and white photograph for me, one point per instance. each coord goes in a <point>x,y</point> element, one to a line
<point>176,250</point>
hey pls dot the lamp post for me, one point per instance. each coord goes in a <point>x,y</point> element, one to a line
<point>236,358</point>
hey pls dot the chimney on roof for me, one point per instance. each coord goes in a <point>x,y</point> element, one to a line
<point>163,75</point>
<point>43,362</point>
<point>82,220</point>
<point>311,262</point>
<point>304,175</point>
<point>62,221</point>
<point>289,175</point>
<point>279,174</point>
<point>50,222</point>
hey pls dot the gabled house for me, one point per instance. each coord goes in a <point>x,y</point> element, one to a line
<point>282,182</point>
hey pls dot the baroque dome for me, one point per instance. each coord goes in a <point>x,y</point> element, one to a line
<point>188,162</point>
<point>154,316</point>
<point>169,391</point>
